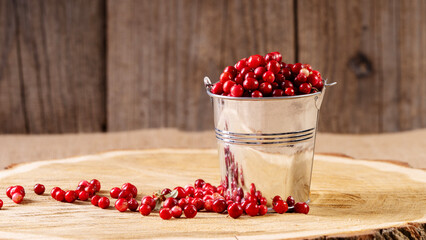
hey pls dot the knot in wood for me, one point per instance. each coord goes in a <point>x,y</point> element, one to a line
<point>360,65</point>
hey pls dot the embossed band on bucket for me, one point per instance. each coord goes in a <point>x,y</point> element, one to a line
<point>287,138</point>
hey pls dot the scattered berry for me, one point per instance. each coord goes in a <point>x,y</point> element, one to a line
<point>83,195</point>
<point>280,206</point>
<point>290,201</point>
<point>190,211</point>
<point>120,204</point>
<point>165,213</point>
<point>235,210</point>
<point>301,207</point>
<point>95,200</point>
<point>103,202</point>
<point>133,205</point>
<point>39,189</point>
<point>176,212</point>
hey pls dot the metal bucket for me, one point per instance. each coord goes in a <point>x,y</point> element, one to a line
<point>266,141</point>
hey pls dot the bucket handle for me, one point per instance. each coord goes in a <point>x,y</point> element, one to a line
<point>207,83</point>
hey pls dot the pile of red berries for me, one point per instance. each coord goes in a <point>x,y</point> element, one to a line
<point>188,200</point>
<point>268,76</point>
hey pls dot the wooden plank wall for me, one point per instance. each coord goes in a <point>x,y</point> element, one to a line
<point>82,66</point>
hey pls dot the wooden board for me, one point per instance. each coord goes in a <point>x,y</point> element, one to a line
<point>52,66</point>
<point>349,198</point>
<point>160,51</point>
<point>374,50</point>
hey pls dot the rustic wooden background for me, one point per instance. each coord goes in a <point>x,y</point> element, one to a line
<point>83,66</point>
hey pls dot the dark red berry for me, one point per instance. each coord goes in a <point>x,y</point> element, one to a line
<point>270,57</point>
<point>166,191</point>
<point>290,201</point>
<point>145,209</point>
<point>115,192</point>
<point>301,78</point>
<point>131,188</point>
<point>237,90</point>
<point>263,209</point>
<point>83,183</point>
<point>125,194</point>
<point>250,75</point>
<point>97,184</point>
<point>120,204</point>
<point>17,197</point>
<point>301,207</point>
<point>240,65</point>
<point>289,92</point>
<point>252,209</point>
<point>235,210</point>
<point>239,79</point>
<point>263,201</point>
<point>276,199</point>
<point>313,80</point>
<point>94,200</point>
<point>219,205</point>
<point>132,205</point>
<point>287,73</point>
<point>198,203</point>
<point>199,193</point>
<point>227,86</point>
<point>103,202</point>
<point>295,68</point>
<point>265,88</point>
<point>70,196</point>
<point>280,206</point>
<point>170,202</point>
<point>83,195</point>
<point>250,84</point>
<point>305,88</point>
<point>232,70</point>
<point>255,61</point>
<point>226,76</point>
<point>244,71</point>
<point>90,190</point>
<point>252,189</point>
<point>278,92</point>
<point>39,189</point>
<point>273,66</point>
<point>287,84</point>
<point>278,56</point>
<point>148,200</point>
<point>307,66</point>
<point>190,211</point>
<point>320,85</point>
<point>165,213</point>
<point>182,202</point>
<point>176,212</point>
<point>256,94</point>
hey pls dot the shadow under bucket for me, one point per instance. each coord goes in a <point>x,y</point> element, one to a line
<point>266,141</point>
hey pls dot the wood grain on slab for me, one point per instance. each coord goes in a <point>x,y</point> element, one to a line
<point>52,66</point>
<point>373,49</point>
<point>349,198</point>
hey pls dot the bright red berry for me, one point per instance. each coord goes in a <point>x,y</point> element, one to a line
<point>265,88</point>
<point>239,79</point>
<point>103,202</point>
<point>227,86</point>
<point>114,192</point>
<point>320,85</point>
<point>132,205</point>
<point>269,77</point>
<point>278,92</point>
<point>255,61</point>
<point>280,206</point>
<point>190,211</point>
<point>70,196</point>
<point>240,65</point>
<point>250,84</point>
<point>182,202</point>
<point>83,195</point>
<point>295,68</point>
<point>148,200</point>
<point>252,209</point>
<point>120,204</point>
<point>145,209</point>
<point>225,77</point>
<point>273,66</point>
<point>301,78</point>
<point>290,201</point>
<point>95,199</point>
<point>126,194</point>
<point>270,57</point>
<point>52,192</point>
<point>237,90</point>
<point>235,210</point>
<point>219,205</point>
<point>8,191</point>
<point>60,195</point>
<point>166,191</point>
<point>208,205</point>
<point>259,71</point>
<point>217,88</point>
<point>17,197</point>
<point>130,187</point>
<point>276,199</point>
<point>1,203</point>
<point>289,92</point>
<point>305,88</point>
<point>18,189</point>
<point>83,183</point>
<point>165,213</point>
<point>250,75</point>
<point>232,70</point>
<point>97,184</point>
<point>245,71</point>
<point>256,94</point>
<point>189,190</point>
<point>278,56</point>
<point>263,201</point>
<point>90,190</point>
<point>287,84</point>
<point>170,202</point>
<point>263,209</point>
<point>313,80</point>
<point>181,192</point>
<point>301,207</point>
<point>176,212</point>
<point>39,189</point>
<point>198,203</point>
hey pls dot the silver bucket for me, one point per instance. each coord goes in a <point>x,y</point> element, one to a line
<point>266,141</point>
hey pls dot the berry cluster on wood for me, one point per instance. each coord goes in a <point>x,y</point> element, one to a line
<point>187,201</point>
<point>258,76</point>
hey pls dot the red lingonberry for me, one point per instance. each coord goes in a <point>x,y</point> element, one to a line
<point>301,207</point>
<point>276,198</point>
<point>273,66</point>
<point>313,80</point>
<point>239,79</point>
<point>232,70</point>
<point>265,88</point>
<point>278,92</point>
<point>259,71</point>
<point>280,206</point>
<point>235,210</point>
<point>198,203</point>
<point>314,72</point>
<point>120,204</point>
<point>39,189</point>
<point>219,205</point>
<point>269,77</point>
<point>255,61</point>
<point>301,78</point>
<point>240,65</point>
<point>226,76</point>
<point>97,184</point>
<point>190,211</point>
<point>126,194</point>
<point>148,200</point>
<point>17,197</point>
<point>60,195</point>
<point>83,195</point>
<point>176,212</point>
<point>52,192</point>
<point>132,205</point>
<point>182,202</point>
<point>189,190</point>
<point>237,90</point>
<point>270,57</point>
<point>90,190</point>
<point>320,85</point>
<point>145,209</point>
<point>252,189</point>
<point>18,189</point>
<point>252,209</point>
<point>130,187</point>
<point>83,183</point>
<point>95,199</point>
<point>165,213</point>
<point>1,203</point>
<point>287,84</point>
<point>290,201</point>
<point>217,88</point>
<point>170,202</point>
<point>166,191</point>
<point>305,88</point>
<point>263,201</point>
<point>227,86</point>
<point>199,193</point>
<point>181,192</point>
<point>244,71</point>
<point>250,84</point>
<point>115,192</point>
<point>70,196</point>
<point>263,209</point>
<point>250,75</point>
<point>295,68</point>
<point>278,56</point>
<point>9,189</point>
<point>307,66</point>
<point>289,92</point>
<point>208,205</point>
<point>287,73</point>
<point>256,94</point>
<point>279,78</point>
<point>103,202</point>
